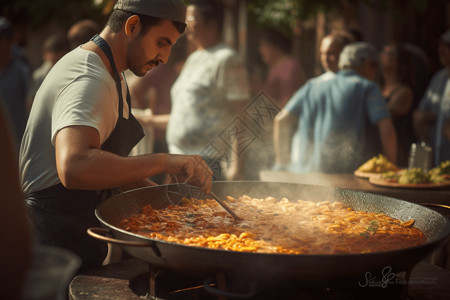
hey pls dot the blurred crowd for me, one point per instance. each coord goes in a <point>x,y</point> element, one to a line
<point>186,104</point>
<point>366,101</point>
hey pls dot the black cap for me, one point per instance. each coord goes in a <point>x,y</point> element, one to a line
<point>173,10</point>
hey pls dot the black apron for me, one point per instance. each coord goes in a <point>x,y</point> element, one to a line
<point>60,216</point>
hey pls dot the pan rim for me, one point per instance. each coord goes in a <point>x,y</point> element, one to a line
<point>440,238</point>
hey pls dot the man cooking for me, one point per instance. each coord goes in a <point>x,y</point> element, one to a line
<point>80,131</point>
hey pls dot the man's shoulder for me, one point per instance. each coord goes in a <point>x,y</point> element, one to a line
<point>351,78</point>
<point>223,51</point>
<point>442,74</point>
<point>80,62</point>
<point>435,88</point>
<point>80,56</point>
<point>349,75</point>
<point>323,77</point>
<point>218,52</point>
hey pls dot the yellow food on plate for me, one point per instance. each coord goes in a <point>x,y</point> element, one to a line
<point>377,164</point>
<point>412,176</point>
<point>442,170</point>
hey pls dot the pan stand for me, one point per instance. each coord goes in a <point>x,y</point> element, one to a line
<point>221,283</point>
<point>152,284</point>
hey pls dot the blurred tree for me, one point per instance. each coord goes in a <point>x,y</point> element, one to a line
<point>285,14</point>
<point>281,13</point>
<point>65,13</point>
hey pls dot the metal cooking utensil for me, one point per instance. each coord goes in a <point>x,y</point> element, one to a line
<point>226,207</point>
<point>184,190</point>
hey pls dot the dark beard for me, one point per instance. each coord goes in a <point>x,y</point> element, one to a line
<point>133,58</point>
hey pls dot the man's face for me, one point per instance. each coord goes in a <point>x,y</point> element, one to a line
<point>148,50</point>
<point>195,25</point>
<point>329,54</point>
<point>444,54</point>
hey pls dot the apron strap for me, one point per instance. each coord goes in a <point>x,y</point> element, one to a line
<point>99,41</point>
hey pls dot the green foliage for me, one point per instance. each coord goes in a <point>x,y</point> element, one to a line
<point>284,14</point>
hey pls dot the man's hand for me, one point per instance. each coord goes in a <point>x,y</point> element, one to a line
<point>190,169</point>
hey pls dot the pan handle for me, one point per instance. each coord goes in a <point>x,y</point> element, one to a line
<point>97,233</point>
<point>437,205</point>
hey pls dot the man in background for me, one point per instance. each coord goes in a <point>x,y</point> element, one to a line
<point>53,49</point>
<point>14,83</point>
<point>285,74</point>
<point>81,31</point>
<point>210,91</point>
<point>322,127</point>
<point>330,49</point>
<point>432,118</point>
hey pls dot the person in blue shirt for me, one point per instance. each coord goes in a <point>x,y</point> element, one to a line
<point>14,83</point>
<point>432,118</point>
<point>323,127</point>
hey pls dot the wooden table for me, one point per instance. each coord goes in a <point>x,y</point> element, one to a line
<point>350,181</point>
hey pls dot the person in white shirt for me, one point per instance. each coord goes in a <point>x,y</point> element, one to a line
<point>209,93</point>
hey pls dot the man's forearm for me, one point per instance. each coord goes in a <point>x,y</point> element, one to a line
<point>283,132</point>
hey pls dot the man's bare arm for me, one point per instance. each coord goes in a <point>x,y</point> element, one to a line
<point>284,128</point>
<point>81,164</point>
<point>236,169</point>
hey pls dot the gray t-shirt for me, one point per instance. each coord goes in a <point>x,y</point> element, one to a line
<point>77,91</point>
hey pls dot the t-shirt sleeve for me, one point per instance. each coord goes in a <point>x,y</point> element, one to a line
<point>431,96</point>
<point>376,105</point>
<point>425,103</point>
<point>82,102</point>
<point>232,79</point>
